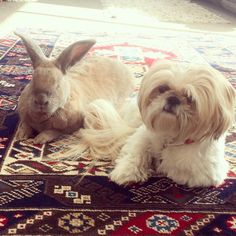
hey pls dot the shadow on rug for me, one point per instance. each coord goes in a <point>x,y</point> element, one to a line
<point>40,194</point>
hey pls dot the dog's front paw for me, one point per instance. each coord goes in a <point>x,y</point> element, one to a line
<point>125,175</point>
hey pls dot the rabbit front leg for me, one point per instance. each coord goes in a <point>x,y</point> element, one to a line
<point>24,131</point>
<point>46,136</point>
<point>133,163</point>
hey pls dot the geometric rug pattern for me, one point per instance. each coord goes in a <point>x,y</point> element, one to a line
<point>40,192</point>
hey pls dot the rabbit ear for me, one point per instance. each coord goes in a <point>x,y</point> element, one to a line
<point>35,53</point>
<point>73,54</point>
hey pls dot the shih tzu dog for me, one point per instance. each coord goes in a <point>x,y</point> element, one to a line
<point>186,111</point>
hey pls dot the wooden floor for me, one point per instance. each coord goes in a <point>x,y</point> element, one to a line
<point>89,15</point>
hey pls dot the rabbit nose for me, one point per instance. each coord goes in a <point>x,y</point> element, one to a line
<point>41,103</point>
<point>41,100</point>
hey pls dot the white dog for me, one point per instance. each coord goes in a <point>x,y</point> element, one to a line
<point>186,112</point>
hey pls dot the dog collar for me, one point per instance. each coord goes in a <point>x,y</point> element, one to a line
<point>186,142</point>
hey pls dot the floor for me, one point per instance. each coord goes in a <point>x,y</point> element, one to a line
<point>89,15</point>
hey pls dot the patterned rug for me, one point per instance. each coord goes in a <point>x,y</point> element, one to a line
<point>39,192</point>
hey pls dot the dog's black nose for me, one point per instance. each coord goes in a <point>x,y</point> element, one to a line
<point>173,101</point>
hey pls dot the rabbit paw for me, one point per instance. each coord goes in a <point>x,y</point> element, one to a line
<point>23,132</point>
<point>46,136</point>
<point>42,138</point>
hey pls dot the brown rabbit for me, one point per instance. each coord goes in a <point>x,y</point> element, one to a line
<point>54,101</point>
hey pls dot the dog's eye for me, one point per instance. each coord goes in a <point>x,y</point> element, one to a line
<point>189,99</point>
<point>163,88</point>
<point>188,96</point>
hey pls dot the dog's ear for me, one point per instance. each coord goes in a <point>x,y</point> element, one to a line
<point>224,115</point>
<point>217,101</point>
<point>214,100</point>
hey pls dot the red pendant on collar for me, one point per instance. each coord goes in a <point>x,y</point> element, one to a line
<point>188,141</point>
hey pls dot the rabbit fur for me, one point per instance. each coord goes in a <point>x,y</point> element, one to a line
<point>54,101</point>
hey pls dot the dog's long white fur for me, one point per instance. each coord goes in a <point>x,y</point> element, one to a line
<point>179,105</point>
